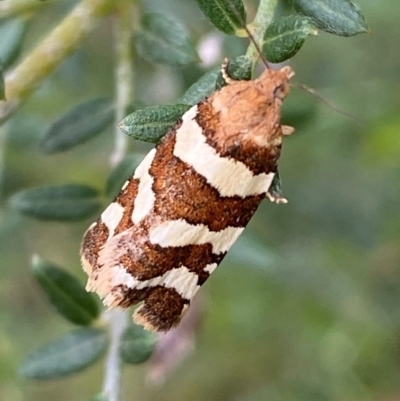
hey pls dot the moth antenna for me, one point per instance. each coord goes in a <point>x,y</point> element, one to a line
<point>249,34</point>
<point>314,93</point>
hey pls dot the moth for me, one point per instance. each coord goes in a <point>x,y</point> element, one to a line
<point>176,217</point>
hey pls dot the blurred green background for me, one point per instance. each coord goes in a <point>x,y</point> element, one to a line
<point>307,306</point>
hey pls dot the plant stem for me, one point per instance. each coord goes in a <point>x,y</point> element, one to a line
<point>118,320</point>
<point>263,18</point>
<point>56,47</point>
<point>124,73</point>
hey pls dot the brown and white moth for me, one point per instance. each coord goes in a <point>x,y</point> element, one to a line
<point>188,201</point>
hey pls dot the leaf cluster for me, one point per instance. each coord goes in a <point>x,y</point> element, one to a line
<point>286,35</point>
<point>163,39</point>
<point>281,40</point>
<point>82,347</point>
<point>158,43</point>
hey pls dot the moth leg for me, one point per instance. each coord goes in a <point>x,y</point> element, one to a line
<point>287,130</point>
<point>277,200</point>
<point>274,193</point>
<point>224,71</point>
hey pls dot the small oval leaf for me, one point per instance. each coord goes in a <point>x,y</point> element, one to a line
<point>65,293</point>
<point>69,354</point>
<point>152,123</point>
<point>137,345</point>
<point>12,33</point>
<point>229,16</point>
<point>121,173</point>
<point>285,36</point>
<point>60,203</point>
<point>239,69</point>
<point>339,17</point>
<point>78,125</point>
<point>204,87</point>
<point>164,40</point>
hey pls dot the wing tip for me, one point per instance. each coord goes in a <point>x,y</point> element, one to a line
<point>153,322</point>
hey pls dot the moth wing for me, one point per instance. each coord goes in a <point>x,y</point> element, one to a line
<point>166,297</point>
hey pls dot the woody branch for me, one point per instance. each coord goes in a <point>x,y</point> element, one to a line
<point>56,47</point>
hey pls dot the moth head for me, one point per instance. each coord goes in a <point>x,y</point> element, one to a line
<point>275,83</point>
<point>281,91</point>
<point>282,87</point>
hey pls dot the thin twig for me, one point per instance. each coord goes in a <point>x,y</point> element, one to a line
<point>124,76</point>
<point>264,16</point>
<point>118,320</point>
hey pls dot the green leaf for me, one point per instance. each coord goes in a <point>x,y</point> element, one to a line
<point>152,123</point>
<point>2,88</point>
<point>239,69</point>
<point>204,87</point>
<point>65,293</point>
<point>71,202</point>
<point>229,16</point>
<point>340,17</point>
<point>78,125</point>
<point>164,40</point>
<point>69,354</point>
<point>121,173</point>
<point>12,33</point>
<point>285,36</point>
<point>137,345</point>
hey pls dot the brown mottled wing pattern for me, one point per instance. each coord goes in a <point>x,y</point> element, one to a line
<point>188,201</point>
